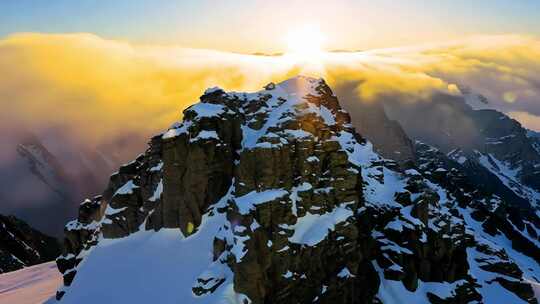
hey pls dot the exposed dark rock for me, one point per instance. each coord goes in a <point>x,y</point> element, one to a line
<point>22,246</point>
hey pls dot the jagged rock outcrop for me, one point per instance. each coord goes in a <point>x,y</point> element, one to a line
<point>272,197</point>
<point>22,246</point>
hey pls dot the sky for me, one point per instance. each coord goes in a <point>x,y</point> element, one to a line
<point>259,26</point>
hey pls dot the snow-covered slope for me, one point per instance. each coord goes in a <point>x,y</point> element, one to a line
<point>32,285</point>
<point>509,175</point>
<point>161,266</point>
<point>272,197</point>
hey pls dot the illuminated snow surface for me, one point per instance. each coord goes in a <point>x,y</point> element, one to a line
<point>38,283</point>
<point>30,285</point>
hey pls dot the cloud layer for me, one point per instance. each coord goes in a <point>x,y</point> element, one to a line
<point>101,90</point>
<point>81,93</point>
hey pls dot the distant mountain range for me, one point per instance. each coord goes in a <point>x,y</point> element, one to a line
<point>495,151</point>
<point>45,189</point>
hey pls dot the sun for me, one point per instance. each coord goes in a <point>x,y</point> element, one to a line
<point>305,42</point>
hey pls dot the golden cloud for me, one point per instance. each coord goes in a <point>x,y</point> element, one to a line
<point>530,120</point>
<point>100,90</point>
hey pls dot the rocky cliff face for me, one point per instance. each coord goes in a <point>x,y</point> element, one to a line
<point>272,197</point>
<point>22,246</point>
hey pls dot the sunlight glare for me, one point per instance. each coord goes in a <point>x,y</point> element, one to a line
<point>305,42</point>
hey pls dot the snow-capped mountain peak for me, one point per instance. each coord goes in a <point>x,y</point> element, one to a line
<point>273,197</point>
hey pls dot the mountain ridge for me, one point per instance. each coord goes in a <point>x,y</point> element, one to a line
<point>487,141</point>
<point>291,204</point>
